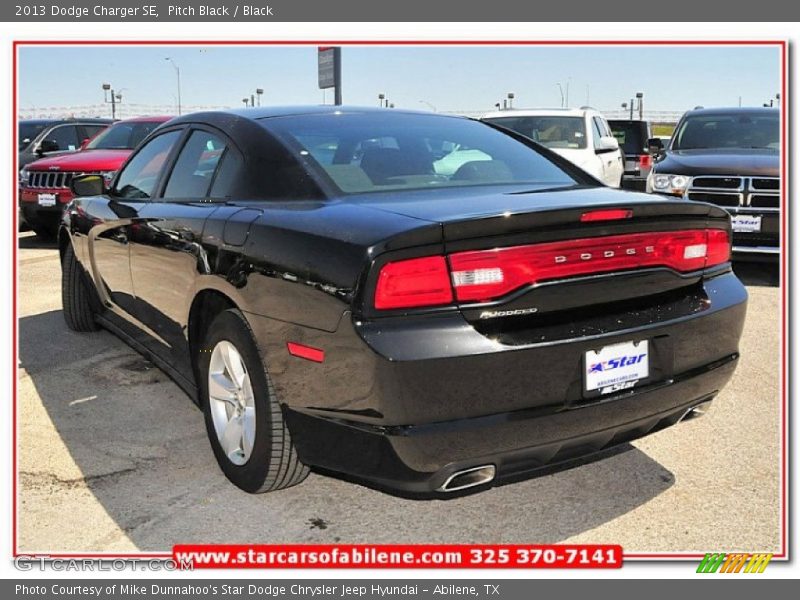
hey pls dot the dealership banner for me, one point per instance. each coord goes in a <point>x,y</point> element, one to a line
<point>369,10</point>
<point>353,589</point>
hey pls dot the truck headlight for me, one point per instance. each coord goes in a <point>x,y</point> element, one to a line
<point>23,177</point>
<point>663,183</point>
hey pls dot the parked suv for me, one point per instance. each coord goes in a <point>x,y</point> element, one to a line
<point>44,184</point>
<point>633,137</point>
<point>44,137</point>
<point>729,157</point>
<point>581,135</point>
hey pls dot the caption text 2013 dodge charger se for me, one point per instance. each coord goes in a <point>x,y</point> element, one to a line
<point>421,302</point>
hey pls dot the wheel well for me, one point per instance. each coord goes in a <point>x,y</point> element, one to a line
<point>205,307</point>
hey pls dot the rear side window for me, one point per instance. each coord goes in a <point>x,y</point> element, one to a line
<point>138,178</point>
<point>194,170</point>
<point>632,136</point>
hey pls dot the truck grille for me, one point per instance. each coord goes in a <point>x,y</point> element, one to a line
<point>761,193</point>
<point>51,179</point>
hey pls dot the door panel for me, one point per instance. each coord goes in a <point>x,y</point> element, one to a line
<point>167,253</point>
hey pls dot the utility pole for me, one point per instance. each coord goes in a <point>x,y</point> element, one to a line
<point>178,74</point>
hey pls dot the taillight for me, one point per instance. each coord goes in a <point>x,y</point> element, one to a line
<point>413,283</point>
<point>645,161</point>
<point>483,275</point>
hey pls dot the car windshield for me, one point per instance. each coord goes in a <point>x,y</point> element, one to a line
<point>28,132</point>
<point>371,152</point>
<point>550,131</point>
<point>727,131</point>
<point>631,135</point>
<point>123,136</point>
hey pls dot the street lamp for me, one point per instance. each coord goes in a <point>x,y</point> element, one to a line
<point>639,97</point>
<point>428,104</point>
<point>259,93</point>
<point>178,74</point>
<point>107,90</point>
<point>246,102</point>
<point>381,98</point>
<point>510,99</point>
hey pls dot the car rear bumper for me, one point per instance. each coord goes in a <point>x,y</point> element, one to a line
<point>420,459</point>
<point>407,407</point>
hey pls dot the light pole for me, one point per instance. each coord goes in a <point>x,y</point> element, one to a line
<point>510,96</point>
<point>178,74</point>
<point>428,104</point>
<point>561,89</point>
<point>640,98</point>
<point>246,102</point>
<point>381,98</point>
<point>106,90</point>
<point>259,93</point>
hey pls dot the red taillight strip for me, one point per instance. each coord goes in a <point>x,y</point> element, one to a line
<point>307,352</point>
<point>611,214</point>
<point>518,266</point>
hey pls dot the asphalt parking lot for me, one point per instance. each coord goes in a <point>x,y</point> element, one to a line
<point>114,457</point>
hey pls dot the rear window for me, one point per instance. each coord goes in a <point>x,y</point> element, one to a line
<point>551,131</point>
<point>632,136</point>
<point>383,151</point>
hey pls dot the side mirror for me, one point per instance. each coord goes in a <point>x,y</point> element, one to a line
<point>88,185</point>
<point>607,143</point>
<point>655,145</point>
<point>46,146</point>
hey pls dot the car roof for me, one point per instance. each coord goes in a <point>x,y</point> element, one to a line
<point>734,110</point>
<point>269,112</point>
<point>70,120</point>
<point>539,112</point>
<point>154,119</point>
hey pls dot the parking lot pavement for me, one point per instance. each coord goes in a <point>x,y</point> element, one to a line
<point>114,457</point>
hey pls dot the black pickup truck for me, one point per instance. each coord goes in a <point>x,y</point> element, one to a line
<point>729,157</point>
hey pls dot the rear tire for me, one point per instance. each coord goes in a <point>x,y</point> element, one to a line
<point>259,456</point>
<point>76,294</point>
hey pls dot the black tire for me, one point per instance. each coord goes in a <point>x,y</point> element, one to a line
<point>273,462</point>
<point>76,298</point>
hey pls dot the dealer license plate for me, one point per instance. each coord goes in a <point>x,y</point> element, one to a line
<point>47,199</point>
<point>746,223</point>
<point>616,367</point>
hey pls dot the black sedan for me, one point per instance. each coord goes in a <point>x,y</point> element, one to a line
<point>421,302</point>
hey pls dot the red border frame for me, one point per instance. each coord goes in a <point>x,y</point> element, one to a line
<point>782,44</point>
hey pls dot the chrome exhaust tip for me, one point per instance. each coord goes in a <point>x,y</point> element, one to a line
<point>695,411</point>
<point>461,480</point>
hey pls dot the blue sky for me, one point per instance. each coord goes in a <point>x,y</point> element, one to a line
<point>449,78</point>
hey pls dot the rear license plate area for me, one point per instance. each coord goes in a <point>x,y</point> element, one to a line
<point>616,367</point>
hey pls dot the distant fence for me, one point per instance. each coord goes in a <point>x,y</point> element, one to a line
<point>126,110</point>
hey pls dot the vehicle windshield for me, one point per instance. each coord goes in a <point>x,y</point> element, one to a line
<point>728,131</point>
<point>631,135</point>
<point>122,136</point>
<point>372,152</point>
<point>28,132</point>
<point>551,131</point>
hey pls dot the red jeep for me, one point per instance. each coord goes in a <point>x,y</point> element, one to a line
<point>44,184</point>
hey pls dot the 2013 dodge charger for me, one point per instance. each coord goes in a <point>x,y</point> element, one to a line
<point>423,302</point>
